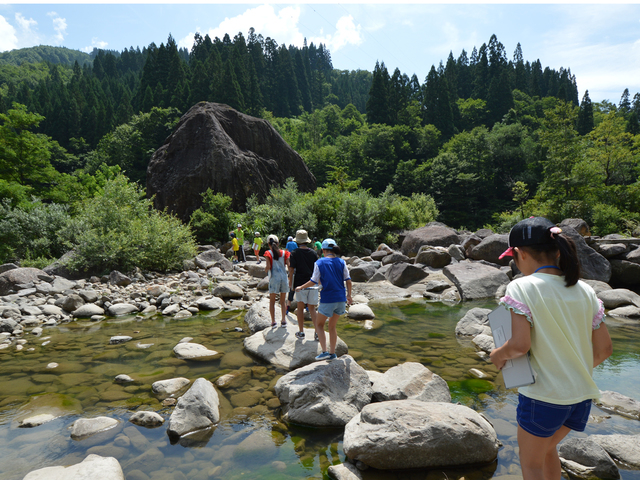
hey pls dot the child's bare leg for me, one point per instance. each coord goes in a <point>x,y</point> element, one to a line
<point>320,320</point>
<point>333,333</point>
<point>539,456</point>
<point>312,312</point>
<point>300,316</point>
<point>283,306</point>
<point>272,307</point>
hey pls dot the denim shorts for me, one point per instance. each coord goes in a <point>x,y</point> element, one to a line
<point>543,419</point>
<point>308,296</point>
<point>278,284</point>
<point>331,309</point>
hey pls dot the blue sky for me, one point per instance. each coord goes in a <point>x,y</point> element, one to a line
<point>599,43</point>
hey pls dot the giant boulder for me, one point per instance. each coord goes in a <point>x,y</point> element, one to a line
<point>475,280</point>
<point>410,380</point>
<point>436,234</point>
<point>593,265</point>
<point>197,409</point>
<point>16,276</point>
<point>216,147</point>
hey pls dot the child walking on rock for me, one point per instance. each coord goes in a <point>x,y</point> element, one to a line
<point>276,268</point>
<point>557,319</point>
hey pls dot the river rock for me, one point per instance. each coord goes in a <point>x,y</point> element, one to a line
<point>195,352</point>
<point>410,380</point>
<point>87,310</point>
<point>146,419</point>
<point>490,248</point>
<point>85,427</point>
<point>617,403</point>
<point>212,303</point>
<point>119,339</point>
<point>325,393</point>
<point>11,278</point>
<point>360,312</point>
<point>197,409</point>
<point>434,233</point>
<point>280,347</point>
<point>618,297</point>
<point>403,274</point>
<point>171,310</point>
<point>474,322</point>
<point>228,290</point>
<point>210,259</point>
<point>403,434</point>
<point>213,147</point>
<point>7,325</point>
<point>363,272</point>
<point>475,280</point>
<point>72,302</point>
<point>170,386</point>
<point>393,258</point>
<point>484,342</point>
<point>610,250</point>
<point>622,448</point>
<point>593,265</point>
<point>632,256</point>
<point>53,310</point>
<point>119,279</point>
<point>577,224</point>
<point>5,267</point>
<point>628,311</point>
<point>88,295</point>
<point>122,309</point>
<point>378,255</point>
<point>257,317</point>
<point>36,420</point>
<point>344,471</point>
<point>625,273</point>
<point>122,378</point>
<point>584,458</point>
<point>256,271</point>
<point>93,467</point>
<point>436,257</point>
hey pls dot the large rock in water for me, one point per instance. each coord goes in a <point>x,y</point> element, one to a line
<point>475,280</point>
<point>410,380</point>
<point>92,467</point>
<point>403,434</point>
<point>594,266</point>
<point>216,147</point>
<point>197,409</point>
<point>16,276</point>
<point>584,458</point>
<point>435,233</point>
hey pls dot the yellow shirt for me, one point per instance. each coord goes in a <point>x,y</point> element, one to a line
<point>562,320</point>
<point>234,243</point>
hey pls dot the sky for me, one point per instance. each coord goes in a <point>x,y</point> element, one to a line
<point>599,43</point>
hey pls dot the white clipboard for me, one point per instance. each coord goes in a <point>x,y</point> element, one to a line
<point>516,372</point>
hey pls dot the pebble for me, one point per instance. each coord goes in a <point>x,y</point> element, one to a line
<point>52,365</point>
<point>119,339</point>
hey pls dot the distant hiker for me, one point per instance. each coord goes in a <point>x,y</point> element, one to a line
<point>257,245</point>
<point>276,268</point>
<point>240,235</point>
<point>291,245</point>
<point>318,247</point>
<point>332,272</point>
<point>301,262</point>
<point>235,246</point>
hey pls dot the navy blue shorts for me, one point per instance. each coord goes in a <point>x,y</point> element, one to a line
<point>543,419</point>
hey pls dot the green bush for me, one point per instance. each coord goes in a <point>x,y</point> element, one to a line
<point>606,219</point>
<point>212,221</point>
<point>121,230</point>
<point>35,231</point>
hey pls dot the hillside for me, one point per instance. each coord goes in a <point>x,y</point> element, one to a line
<point>45,53</point>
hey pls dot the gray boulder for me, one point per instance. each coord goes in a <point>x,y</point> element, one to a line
<point>434,233</point>
<point>85,427</point>
<point>622,448</point>
<point>344,471</point>
<point>594,266</point>
<point>474,322</point>
<point>577,224</point>
<point>403,274</point>
<point>213,303</point>
<point>208,259</point>
<point>195,352</point>
<point>404,434</point>
<point>436,257</point>
<point>360,312</point>
<point>628,311</point>
<point>632,256</point>
<point>214,146</point>
<point>256,271</point>
<point>119,279</point>
<point>584,458</point>
<point>490,248</point>
<point>7,325</point>
<point>457,252</point>
<point>484,342</point>
<point>5,267</point>
<point>410,380</point>
<point>625,273</point>
<point>146,419</point>
<point>617,403</point>
<point>364,271</point>
<point>378,255</point>
<point>469,243</point>
<point>197,409</point>
<point>93,467</point>
<point>475,280</point>
<point>279,346</point>
<point>393,258</point>
<point>597,285</point>
<point>87,310</point>
<point>258,318</point>
<point>324,394</point>
<point>609,250</point>
<point>72,302</point>
<point>169,387</point>
<point>228,290</point>
<point>11,278</point>
<point>436,286</point>
<point>122,309</point>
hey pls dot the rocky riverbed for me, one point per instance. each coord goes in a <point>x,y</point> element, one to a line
<point>97,347</point>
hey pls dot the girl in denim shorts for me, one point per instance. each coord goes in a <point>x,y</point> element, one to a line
<point>276,268</point>
<point>557,320</point>
<point>332,272</point>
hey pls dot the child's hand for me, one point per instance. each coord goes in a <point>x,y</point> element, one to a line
<point>497,359</point>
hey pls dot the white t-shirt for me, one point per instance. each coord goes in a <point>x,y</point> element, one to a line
<point>562,321</point>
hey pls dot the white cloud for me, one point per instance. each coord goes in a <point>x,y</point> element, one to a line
<point>8,38</point>
<point>282,26</point>
<point>347,33</point>
<point>25,24</point>
<point>59,25</point>
<point>95,43</point>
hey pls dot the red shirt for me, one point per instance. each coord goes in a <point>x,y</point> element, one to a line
<point>268,255</point>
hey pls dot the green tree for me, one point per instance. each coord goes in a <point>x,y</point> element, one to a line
<point>212,222</point>
<point>585,115</point>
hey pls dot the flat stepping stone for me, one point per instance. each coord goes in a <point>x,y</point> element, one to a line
<point>195,352</point>
<point>36,420</point>
<point>85,427</point>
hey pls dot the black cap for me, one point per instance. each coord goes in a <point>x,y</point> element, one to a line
<point>531,231</point>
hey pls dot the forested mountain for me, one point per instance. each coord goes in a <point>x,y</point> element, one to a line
<point>44,53</point>
<point>490,139</point>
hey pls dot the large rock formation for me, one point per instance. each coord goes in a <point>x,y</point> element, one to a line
<point>216,147</point>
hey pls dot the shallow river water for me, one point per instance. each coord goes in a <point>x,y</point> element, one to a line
<point>250,441</point>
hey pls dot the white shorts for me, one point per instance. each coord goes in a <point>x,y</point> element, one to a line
<point>308,295</point>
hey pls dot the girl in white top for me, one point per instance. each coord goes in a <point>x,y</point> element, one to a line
<point>557,319</point>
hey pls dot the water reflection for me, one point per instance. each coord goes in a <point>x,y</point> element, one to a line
<point>250,441</point>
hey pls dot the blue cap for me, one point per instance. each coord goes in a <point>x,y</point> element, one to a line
<point>328,244</point>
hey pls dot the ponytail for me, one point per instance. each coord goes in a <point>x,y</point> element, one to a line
<point>275,249</point>
<point>336,250</point>
<point>569,262</point>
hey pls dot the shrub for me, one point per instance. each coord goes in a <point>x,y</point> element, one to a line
<point>212,221</point>
<point>606,219</point>
<point>121,230</point>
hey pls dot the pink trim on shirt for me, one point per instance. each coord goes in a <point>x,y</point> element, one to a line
<point>516,306</point>
<point>599,317</point>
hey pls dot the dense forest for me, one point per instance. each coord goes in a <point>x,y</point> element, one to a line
<point>483,141</point>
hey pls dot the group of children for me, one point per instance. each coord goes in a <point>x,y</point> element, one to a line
<point>556,319</point>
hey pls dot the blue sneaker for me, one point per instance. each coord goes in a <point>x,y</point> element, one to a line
<point>324,356</point>
<point>332,356</point>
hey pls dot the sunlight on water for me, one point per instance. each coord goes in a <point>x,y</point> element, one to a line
<point>250,441</point>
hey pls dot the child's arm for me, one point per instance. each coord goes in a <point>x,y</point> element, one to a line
<point>519,343</point>
<point>602,346</point>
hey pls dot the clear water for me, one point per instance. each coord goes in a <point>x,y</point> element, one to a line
<point>250,441</point>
